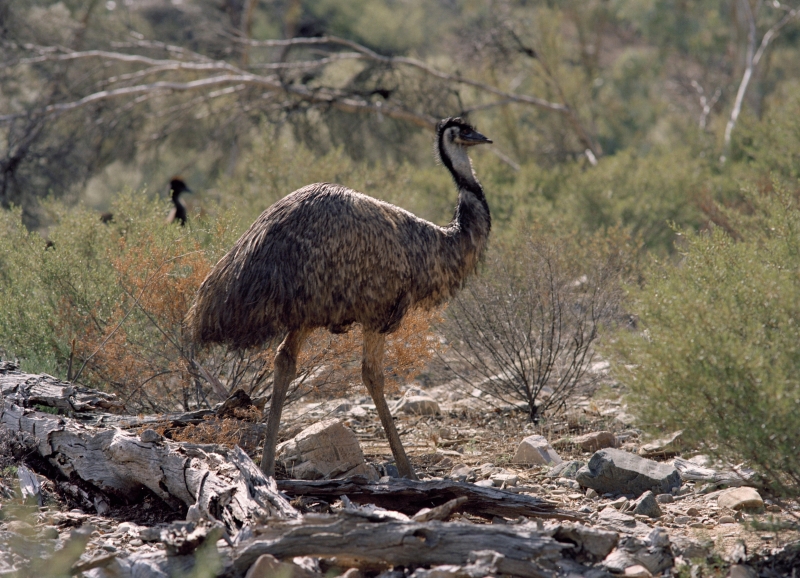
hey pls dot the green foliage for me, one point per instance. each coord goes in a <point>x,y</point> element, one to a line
<point>720,346</point>
<point>108,297</point>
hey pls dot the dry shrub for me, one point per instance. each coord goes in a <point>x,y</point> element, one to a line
<point>241,430</point>
<point>524,331</point>
<point>331,364</point>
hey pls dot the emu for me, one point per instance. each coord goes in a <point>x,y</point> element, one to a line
<point>178,212</point>
<point>328,256</point>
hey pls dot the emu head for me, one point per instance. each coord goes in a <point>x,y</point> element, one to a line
<point>177,186</point>
<point>457,131</point>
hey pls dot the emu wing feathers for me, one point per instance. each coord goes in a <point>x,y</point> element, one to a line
<point>326,256</point>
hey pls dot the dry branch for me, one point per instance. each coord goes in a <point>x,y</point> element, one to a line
<point>408,496</point>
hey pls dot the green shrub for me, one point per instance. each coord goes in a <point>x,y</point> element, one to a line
<point>719,351</point>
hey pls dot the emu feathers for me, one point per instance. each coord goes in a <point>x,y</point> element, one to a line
<point>327,256</point>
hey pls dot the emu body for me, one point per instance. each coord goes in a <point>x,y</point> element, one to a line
<point>327,256</point>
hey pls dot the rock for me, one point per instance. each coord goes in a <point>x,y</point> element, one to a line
<point>506,480</point>
<point>324,450</point>
<point>742,571</point>
<point>590,543</point>
<point>484,483</point>
<point>536,450</point>
<point>694,512</point>
<point>637,571</point>
<point>565,469</point>
<point>268,566</point>
<point>727,520</point>
<point>414,403</point>
<point>620,472</point>
<point>21,528</point>
<point>462,473</point>
<point>743,498</point>
<point>690,549</point>
<point>667,446</point>
<point>592,494</point>
<point>647,505</point>
<point>591,442</point>
<point>665,498</point>
<point>49,533</point>
<point>611,516</point>
<point>149,436</point>
<point>653,553</point>
<point>682,520</point>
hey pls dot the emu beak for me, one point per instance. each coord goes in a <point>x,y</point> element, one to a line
<point>475,138</point>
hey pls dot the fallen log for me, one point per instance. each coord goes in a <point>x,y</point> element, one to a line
<point>356,541</point>
<point>347,540</point>
<point>408,496</point>
<point>214,482</point>
<point>26,390</point>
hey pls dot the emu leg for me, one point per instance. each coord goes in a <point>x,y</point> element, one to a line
<point>372,375</point>
<point>285,370</point>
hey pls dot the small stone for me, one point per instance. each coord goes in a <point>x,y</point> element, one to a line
<point>268,566</point>
<point>647,505</point>
<point>668,446</point>
<point>694,512</point>
<point>637,571</point>
<point>536,450</point>
<point>727,520</point>
<point>109,547</point>
<point>619,502</point>
<point>49,533</point>
<point>136,542</point>
<point>682,520</point>
<point>665,498</point>
<point>774,508</point>
<point>575,496</point>
<point>591,442</point>
<point>484,483</point>
<point>558,491</point>
<point>21,528</point>
<point>743,498</point>
<point>150,436</point>
<point>565,469</point>
<point>742,571</point>
<point>697,525</point>
<point>417,405</point>
<point>592,494</point>
<point>462,473</point>
<point>506,480</point>
<point>612,516</point>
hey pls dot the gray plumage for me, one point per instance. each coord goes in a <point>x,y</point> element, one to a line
<point>327,256</point>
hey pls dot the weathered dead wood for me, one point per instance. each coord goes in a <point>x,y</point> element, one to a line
<point>27,390</point>
<point>408,496</point>
<point>357,541</point>
<point>217,483</point>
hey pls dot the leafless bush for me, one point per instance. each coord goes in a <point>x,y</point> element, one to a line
<point>525,329</point>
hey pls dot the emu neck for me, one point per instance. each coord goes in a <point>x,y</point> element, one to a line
<point>472,220</point>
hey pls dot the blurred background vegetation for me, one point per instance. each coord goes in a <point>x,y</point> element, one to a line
<point>669,121</point>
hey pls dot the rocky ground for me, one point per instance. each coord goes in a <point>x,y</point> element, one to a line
<point>694,526</point>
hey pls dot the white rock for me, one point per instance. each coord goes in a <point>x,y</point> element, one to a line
<point>417,403</point>
<point>536,450</point>
<point>325,450</point>
<point>740,498</point>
